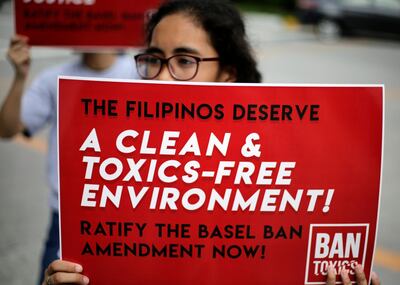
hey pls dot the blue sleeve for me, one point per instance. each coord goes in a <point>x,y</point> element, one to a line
<point>38,106</point>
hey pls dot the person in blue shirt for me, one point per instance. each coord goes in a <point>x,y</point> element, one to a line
<point>29,110</point>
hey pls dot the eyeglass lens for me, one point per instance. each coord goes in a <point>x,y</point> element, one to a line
<point>181,67</point>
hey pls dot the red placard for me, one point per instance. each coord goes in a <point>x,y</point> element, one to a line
<point>83,23</point>
<point>167,183</point>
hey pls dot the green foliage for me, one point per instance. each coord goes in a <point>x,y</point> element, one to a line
<point>267,5</point>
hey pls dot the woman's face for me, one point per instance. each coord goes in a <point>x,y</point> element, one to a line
<point>179,34</point>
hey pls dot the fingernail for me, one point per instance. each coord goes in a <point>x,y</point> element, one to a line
<point>330,268</point>
<point>85,280</point>
<point>78,268</point>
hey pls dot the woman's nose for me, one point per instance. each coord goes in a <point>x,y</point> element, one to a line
<point>165,74</point>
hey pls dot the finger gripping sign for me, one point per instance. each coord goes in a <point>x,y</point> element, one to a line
<point>181,183</point>
<point>83,23</point>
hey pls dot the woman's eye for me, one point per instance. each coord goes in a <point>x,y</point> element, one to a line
<point>186,61</point>
<point>152,60</point>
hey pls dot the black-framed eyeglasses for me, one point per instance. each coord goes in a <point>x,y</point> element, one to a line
<point>181,67</point>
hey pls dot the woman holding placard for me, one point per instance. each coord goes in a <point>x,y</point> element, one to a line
<point>192,41</point>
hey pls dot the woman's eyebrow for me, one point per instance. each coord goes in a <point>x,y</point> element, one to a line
<point>186,50</point>
<point>154,50</point>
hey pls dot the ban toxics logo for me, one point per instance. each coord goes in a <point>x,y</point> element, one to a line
<point>341,246</point>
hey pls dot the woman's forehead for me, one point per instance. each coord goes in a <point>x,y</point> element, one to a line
<point>178,31</point>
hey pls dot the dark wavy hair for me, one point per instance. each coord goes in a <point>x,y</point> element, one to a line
<point>225,27</point>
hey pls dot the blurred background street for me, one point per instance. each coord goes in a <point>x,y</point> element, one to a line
<point>287,52</point>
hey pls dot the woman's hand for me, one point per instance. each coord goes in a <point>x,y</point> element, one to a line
<point>360,277</point>
<point>64,272</point>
